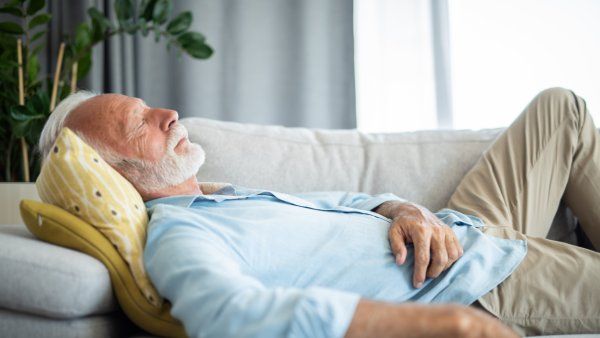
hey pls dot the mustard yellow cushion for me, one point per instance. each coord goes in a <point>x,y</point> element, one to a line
<point>75,178</point>
<point>57,226</point>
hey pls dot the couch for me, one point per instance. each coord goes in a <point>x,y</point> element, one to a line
<point>51,291</point>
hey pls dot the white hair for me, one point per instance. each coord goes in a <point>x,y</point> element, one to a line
<point>57,119</point>
<point>172,169</point>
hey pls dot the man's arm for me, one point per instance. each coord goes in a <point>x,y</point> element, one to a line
<point>435,244</point>
<point>376,319</point>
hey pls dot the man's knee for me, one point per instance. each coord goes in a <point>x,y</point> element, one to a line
<point>562,103</point>
<point>556,93</point>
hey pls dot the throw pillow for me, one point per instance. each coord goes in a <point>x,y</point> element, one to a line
<point>75,178</point>
<point>57,226</point>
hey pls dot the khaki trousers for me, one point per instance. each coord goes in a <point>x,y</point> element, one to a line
<point>550,152</point>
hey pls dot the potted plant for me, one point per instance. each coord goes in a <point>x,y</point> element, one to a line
<point>28,97</point>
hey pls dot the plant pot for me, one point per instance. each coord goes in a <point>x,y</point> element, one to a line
<point>11,194</point>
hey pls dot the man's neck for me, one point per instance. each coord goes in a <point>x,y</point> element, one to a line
<point>187,187</point>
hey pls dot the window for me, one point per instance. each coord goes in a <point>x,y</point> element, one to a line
<point>500,54</point>
<point>393,57</point>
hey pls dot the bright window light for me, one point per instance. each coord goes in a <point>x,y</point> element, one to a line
<point>393,57</point>
<point>504,52</point>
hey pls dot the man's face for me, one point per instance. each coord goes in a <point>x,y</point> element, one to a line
<point>154,145</point>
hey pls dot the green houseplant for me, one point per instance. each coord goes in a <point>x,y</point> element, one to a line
<point>24,111</point>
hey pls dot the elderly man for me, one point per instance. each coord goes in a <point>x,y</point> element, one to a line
<point>253,263</point>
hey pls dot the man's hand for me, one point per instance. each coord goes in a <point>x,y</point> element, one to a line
<point>377,319</point>
<point>435,244</point>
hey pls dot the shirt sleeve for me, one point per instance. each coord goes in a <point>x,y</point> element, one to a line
<point>362,201</point>
<point>215,296</point>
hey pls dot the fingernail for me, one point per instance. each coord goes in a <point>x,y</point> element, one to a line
<point>419,285</point>
<point>398,259</point>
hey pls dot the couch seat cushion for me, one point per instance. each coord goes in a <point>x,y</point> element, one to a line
<point>48,280</point>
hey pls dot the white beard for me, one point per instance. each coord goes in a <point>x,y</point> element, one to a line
<point>171,170</point>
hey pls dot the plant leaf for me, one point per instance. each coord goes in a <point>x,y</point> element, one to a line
<point>162,10</point>
<point>199,51</point>
<point>194,44</point>
<point>33,67</point>
<point>144,27</point>
<point>180,24</point>
<point>43,95</point>
<point>102,20</point>
<point>124,9</point>
<point>84,65</point>
<point>37,105</point>
<point>16,11</point>
<point>36,50</point>
<point>83,36</point>
<point>10,28</point>
<point>39,20</point>
<point>34,6</point>
<point>19,113</point>
<point>129,27</point>
<point>156,34</point>
<point>37,36</point>
<point>15,2</point>
<point>20,128</point>
<point>146,9</point>
<point>32,85</point>
<point>190,37</point>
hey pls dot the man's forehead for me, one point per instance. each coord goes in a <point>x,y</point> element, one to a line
<point>122,102</point>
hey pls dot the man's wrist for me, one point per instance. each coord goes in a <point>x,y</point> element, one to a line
<point>390,209</point>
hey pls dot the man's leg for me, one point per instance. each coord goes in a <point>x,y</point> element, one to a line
<point>556,289</point>
<point>551,151</point>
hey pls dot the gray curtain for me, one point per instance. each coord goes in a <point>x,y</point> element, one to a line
<point>286,62</point>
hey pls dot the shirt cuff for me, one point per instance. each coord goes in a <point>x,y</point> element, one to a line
<point>324,313</point>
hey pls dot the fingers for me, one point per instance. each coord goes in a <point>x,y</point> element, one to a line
<point>453,247</point>
<point>422,245</point>
<point>398,244</point>
<point>458,246</point>
<point>439,253</point>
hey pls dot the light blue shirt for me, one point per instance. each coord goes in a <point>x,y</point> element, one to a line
<point>254,263</point>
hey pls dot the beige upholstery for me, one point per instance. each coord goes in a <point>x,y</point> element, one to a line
<point>422,167</point>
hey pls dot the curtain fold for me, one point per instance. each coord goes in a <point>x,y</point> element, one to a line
<point>276,61</point>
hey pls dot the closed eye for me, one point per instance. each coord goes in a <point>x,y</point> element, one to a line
<point>136,131</point>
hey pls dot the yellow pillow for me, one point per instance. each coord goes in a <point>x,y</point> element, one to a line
<point>55,225</point>
<point>75,178</point>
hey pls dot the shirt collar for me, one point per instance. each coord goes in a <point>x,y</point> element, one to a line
<point>214,191</point>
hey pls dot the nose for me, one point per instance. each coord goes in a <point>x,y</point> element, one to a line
<point>168,118</point>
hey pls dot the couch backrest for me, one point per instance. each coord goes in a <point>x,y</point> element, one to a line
<point>424,166</point>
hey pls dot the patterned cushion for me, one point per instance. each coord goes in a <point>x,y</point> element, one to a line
<point>75,178</point>
<point>57,226</point>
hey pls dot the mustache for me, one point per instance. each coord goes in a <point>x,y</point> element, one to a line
<point>177,133</point>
